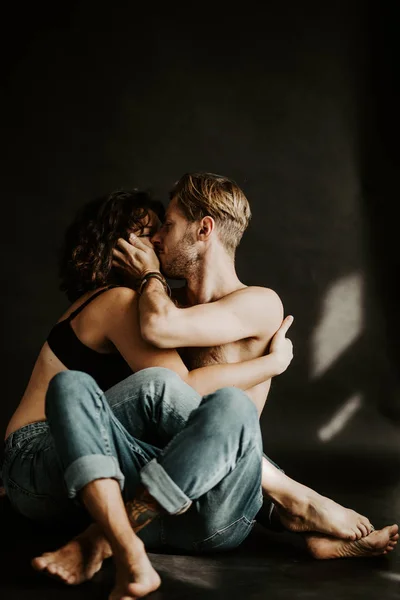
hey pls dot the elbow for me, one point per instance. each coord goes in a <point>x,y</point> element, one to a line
<point>149,328</point>
<point>153,332</point>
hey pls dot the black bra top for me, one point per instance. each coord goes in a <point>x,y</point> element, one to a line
<point>106,369</point>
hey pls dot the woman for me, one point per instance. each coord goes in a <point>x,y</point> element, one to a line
<point>99,334</point>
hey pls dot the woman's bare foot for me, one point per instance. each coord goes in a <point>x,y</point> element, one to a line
<point>135,575</point>
<point>78,560</point>
<point>375,544</point>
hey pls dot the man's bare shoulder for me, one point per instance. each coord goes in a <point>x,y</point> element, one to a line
<point>263,305</point>
<point>258,293</point>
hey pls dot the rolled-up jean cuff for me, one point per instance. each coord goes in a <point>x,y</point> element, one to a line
<point>89,468</point>
<point>160,485</point>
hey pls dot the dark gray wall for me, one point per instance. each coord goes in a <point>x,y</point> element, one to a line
<point>288,102</point>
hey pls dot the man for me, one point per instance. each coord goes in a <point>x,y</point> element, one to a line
<point>209,469</point>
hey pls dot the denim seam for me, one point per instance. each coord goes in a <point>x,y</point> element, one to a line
<point>19,448</point>
<point>126,399</point>
<point>119,426</point>
<point>155,421</point>
<point>243,518</point>
<point>33,454</point>
<point>165,449</point>
<point>221,531</point>
<point>35,429</point>
<point>245,454</point>
<point>11,483</point>
<point>103,430</point>
<point>23,440</point>
<point>175,413</point>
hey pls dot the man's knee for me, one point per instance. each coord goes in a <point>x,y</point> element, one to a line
<point>234,414</point>
<point>233,405</point>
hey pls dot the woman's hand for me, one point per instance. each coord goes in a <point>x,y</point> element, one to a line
<point>135,258</point>
<point>281,346</point>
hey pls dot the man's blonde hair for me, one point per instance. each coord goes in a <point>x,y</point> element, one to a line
<point>205,194</point>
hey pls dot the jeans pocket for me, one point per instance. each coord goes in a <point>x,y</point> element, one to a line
<point>226,538</point>
<point>6,460</point>
<point>35,506</point>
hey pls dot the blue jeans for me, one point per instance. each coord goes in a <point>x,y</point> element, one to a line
<point>152,429</point>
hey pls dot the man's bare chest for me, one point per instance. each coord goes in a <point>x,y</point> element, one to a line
<point>194,358</point>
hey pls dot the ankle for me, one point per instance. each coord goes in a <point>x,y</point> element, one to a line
<point>103,546</point>
<point>130,550</point>
<point>95,540</point>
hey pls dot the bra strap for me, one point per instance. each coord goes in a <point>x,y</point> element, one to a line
<point>89,300</point>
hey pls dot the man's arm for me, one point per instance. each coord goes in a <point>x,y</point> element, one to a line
<point>249,312</point>
<point>119,322</point>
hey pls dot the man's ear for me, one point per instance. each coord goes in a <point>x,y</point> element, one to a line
<point>207,225</point>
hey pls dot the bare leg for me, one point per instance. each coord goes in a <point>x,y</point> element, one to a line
<point>301,509</point>
<point>81,558</point>
<point>375,544</point>
<point>135,575</point>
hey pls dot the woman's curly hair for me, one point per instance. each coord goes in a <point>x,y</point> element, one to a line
<point>86,258</point>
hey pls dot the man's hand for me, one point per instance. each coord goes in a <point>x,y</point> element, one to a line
<point>281,346</point>
<point>134,258</point>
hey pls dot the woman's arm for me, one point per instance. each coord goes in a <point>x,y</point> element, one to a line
<point>243,375</point>
<point>122,328</point>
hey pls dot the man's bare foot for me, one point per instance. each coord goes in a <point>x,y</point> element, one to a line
<point>78,560</point>
<point>306,510</point>
<point>135,575</point>
<point>375,544</point>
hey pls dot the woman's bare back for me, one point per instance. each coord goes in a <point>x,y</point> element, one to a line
<point>31,407</point>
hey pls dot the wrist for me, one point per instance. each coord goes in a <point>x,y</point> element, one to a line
<point>277,365</point>
<point>153,284</point>
<point>146,272</point>
<point>147,279</point>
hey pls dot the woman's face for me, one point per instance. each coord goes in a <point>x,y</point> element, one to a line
<point>151,224</point>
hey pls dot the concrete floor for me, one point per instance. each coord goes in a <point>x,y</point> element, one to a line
<point>268,565</point>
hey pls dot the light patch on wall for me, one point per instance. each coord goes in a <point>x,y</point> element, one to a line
<point>341,323</point>
<point>392,576</point>
<point>340,419</point>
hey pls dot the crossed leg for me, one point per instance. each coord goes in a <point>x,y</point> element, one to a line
<point>220,439</point>
<point>300,508</point>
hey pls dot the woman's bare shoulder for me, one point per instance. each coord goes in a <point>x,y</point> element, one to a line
<point>116,299</point>
<point>110,303</point>
<point>121,293</point>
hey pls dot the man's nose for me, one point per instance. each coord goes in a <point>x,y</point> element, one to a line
<point>156,239</point>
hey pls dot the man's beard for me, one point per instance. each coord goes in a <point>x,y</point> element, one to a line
<point>183,261</point>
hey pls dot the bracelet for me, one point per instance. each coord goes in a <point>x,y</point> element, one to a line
<point>156,275</point>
